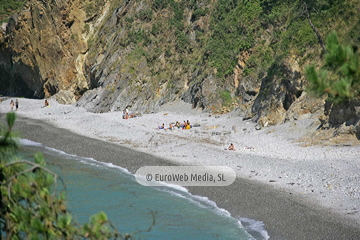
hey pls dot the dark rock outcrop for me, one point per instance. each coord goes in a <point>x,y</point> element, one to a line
<point>279,90</point>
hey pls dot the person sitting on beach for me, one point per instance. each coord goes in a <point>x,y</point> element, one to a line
<point>128,114</point>
<point>46,104</point>
<point>12,104</point>
<point>231,147</point>
<point>16,105</point>
<point>162,126</point>
<point>183,126</point>
<point>188,126</point>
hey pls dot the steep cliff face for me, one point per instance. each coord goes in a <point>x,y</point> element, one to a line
<point>218,55</point>
<point>141,57</point>
<point>42,46</point>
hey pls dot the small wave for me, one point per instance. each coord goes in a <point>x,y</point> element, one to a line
<point>200,201</point>
<point>62,154</point>
<point>219,211</point>
<point>255,228</point>
<point>27,142</point>
<point>168,186</point>
<point>111,165</point>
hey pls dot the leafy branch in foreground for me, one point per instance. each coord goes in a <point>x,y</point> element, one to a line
<point>31,206</point>
<point>340,78</point>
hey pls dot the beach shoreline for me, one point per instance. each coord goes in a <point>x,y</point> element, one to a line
<point>286,213</point>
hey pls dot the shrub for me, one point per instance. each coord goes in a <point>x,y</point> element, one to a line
<point>159,4</point>
<point>145,15</point>
<point>226,97</point>
<point>340,77</point>
<point>32,205</point>
<point>199,13</point>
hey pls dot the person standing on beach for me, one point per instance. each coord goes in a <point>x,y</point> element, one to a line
<point>12,105</point>
<point>16,105</point>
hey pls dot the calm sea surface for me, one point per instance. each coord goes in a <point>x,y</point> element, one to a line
<point>93,186</point>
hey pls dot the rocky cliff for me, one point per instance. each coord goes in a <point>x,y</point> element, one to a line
<point>219,55</point>
<point>42,50</point>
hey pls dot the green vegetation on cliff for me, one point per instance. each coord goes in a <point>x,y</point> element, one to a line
<point>182,43</point>
<point>143,53</point>
<point>7,7</point>
<point>234,27</point>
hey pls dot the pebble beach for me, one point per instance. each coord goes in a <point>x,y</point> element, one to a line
<point>321,177</point>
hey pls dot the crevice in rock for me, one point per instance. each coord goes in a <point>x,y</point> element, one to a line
<point>69,24</point>
<point>50,89</point>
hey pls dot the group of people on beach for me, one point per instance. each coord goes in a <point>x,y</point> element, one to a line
<point>187,125</point>
<point>127,114</point>
<point>177,124</point>
<point>14,104</point>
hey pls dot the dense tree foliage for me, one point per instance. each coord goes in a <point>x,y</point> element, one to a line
<point>340,77</point>
<point>32,200</point>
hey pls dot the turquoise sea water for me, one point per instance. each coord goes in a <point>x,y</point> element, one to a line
<point>94,186</point>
